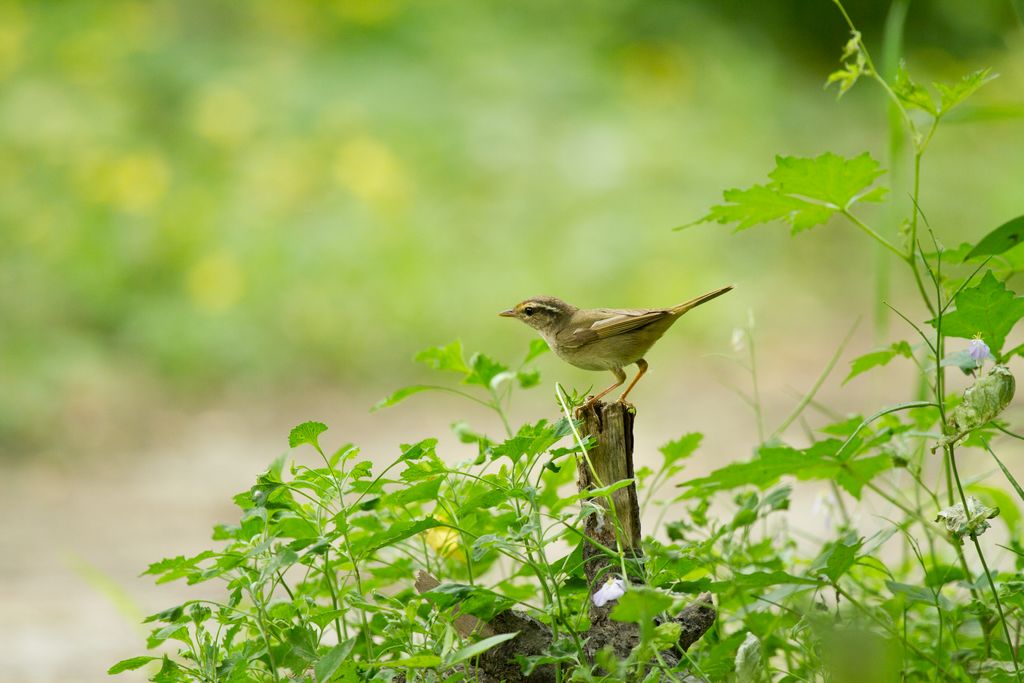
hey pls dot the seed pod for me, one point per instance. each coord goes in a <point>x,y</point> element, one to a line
<point>984,400</point>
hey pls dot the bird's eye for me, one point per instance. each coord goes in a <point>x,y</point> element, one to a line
<point>529,310</point>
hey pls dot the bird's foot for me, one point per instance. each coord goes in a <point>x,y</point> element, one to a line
<point>585,406</point>
<point>629,406</point>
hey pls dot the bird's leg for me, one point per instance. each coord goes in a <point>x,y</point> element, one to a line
<point>620,377</point>
<point>642,364</point>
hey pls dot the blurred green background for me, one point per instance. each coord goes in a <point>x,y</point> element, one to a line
<point>203,197</point>
<point>221,218</point>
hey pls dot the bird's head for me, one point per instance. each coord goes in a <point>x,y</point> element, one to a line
<point>546,314</point>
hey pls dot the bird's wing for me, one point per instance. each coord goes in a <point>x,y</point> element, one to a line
<point>609,322</point>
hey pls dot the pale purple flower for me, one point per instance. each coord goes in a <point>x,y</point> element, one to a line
<point>978,350</point>
<point>613,589</point>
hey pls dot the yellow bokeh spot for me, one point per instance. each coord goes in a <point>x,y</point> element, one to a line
<point>224,115</point>
<point>445,542</point>
<point>366,12</point>
<point>215,283</point>
<point>369,170</point>
<point>656,72</point>
<point>132,182</point>
<point>13,28</point>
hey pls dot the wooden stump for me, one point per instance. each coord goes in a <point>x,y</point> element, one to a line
<point>613,526</point>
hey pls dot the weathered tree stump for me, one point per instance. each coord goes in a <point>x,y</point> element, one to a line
<point>612,526</point>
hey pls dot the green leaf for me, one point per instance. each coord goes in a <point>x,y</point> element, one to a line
<point>401,395</point>
<point>878,358</point>
<point>804,192</point>
<point>424,490</point>
<point>681,448</point>
<point>837,558</point>
<point>327,665</point>
<point>828,178</point>
<point>942,574</point>
<point>130,664</point>
<point>763,204</point>
<point>398,531</point>
<point>484,370</point>
<point>820,461</point>
<point>479,647</point>
<point>911,94</point>
<point>857,473</point>
<point>641,604</point>
<point>1005,237</point>
<point>528,378</point>
<point>424,661</point>
<point>912,593</point>
<point>603,490</point>
<point>955,93</point>
<point>853,61</point>
<point>476,600</point>
<point>307,432</point>
<point>538,347</point>
<point>448,358</point>
<point>988,309</point>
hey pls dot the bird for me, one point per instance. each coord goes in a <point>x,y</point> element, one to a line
<point>602,338</point>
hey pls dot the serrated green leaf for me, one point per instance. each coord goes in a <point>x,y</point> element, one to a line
<point>484,369</point>
<point>763,204</point>
<point>955,93</point>
<point>307,432</point>
<point>988,309</point>
<point>804,192</point>
<point>878,358</point>
<point>449,358</point>
<point>911,94</point>
<point>827,178</point>
<point>1002,239</point>
<point>423,490</point>
<point>681,448</point>
<point>398,531</point>
<point>130,664</point>
<point>477,648</point>
<point>853,61</point>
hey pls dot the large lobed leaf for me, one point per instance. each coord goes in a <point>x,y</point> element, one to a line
<point>988,309</point>
<point>803,192</point>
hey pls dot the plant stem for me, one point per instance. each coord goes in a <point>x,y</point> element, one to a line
<point>981,555</point>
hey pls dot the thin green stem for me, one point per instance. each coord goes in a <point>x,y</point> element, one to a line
<point>874,234</point>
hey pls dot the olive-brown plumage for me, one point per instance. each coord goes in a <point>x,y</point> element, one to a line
<point>602,338</point>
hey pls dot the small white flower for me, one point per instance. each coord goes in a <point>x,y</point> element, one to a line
<point>738,336</point>
<point>613,589</point>
<point>978,350</point>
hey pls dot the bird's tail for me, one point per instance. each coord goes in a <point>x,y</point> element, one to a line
<point>703,298</point>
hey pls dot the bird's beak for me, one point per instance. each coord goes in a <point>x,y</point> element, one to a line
<point>510,313</point>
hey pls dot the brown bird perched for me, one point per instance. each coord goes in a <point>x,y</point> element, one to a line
<point>602,338</point>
